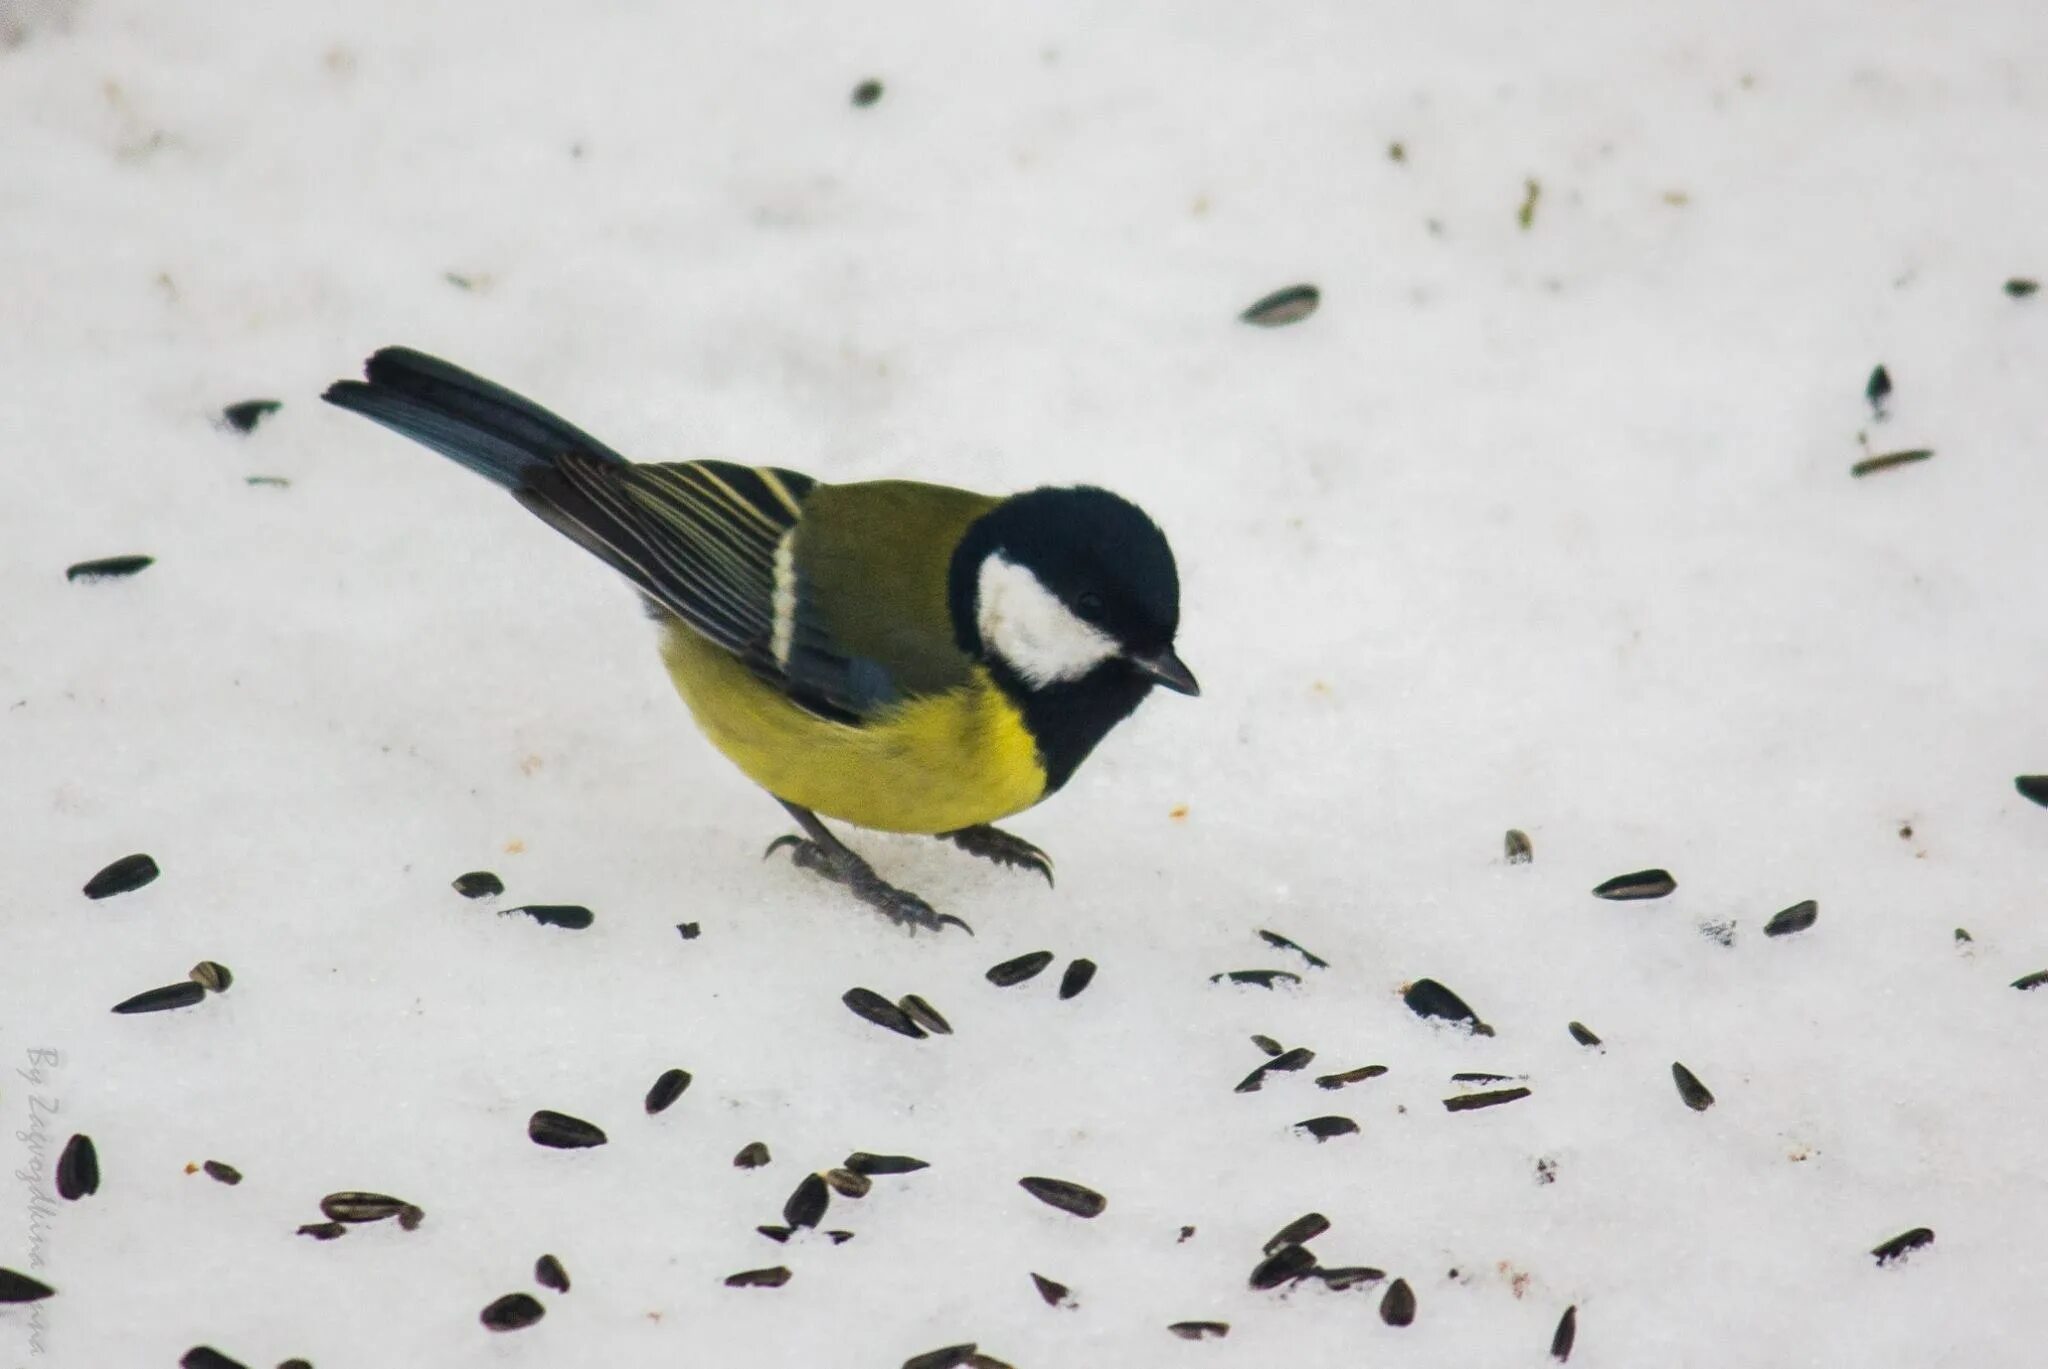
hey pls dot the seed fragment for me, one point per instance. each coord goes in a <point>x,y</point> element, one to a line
<point>924,1015</point>
<point>1476,1077</point>
<point>571,916</point>
<point>880,1011</point>
<point>1325,1128</point>
<point>1963,935</point>
<point>1796,918</point>
<point>78,1168</point>
<point>1282,307</point>
<point>2031,981</point>
<point>1347,1276</point>
<point>1343,1077</point>
<point>1265,979</point>
<point>688,931</point>
<point>1267,1044</point>
<point>1871,465</point>
<point>206,1357</point>
<point>324,1231</point>
<point>125,875</point>
<point>1079,975</point>
<point>1052,1290</point>
<point>16,1287</point>
<point>223,1173</point>
<point>1279,942</point>
<point>1397,1306</point>
<point>179,995</point>
<point>2033,788</point>
<point>1877,388</point>
<point>1637,884</point>
<point>1467,1102</point>
<point>1013,972</point>
<point>866,93</point>
<point>212,976</point>
<point>479,884</point>
<point>1567,1332</point>
<point>2019,287</point>
<point>777,1234</point>
<point>1066,1196</point>
<point>668,1086</point>
<point>752,1155</point>
<point>548,1273</point>
<point>946,1357</point>
<point>513,1312</point>
<point>1690,1088</point>
<point>1903,1243</point>
<point>560,1131</point>
<point>109,567</point>
<point>839,1237</point>
<point>1427,998</point>
<point>1284,1265</point>
<point>352,1206</point>
<point>1300,1231</point>
<point>848,1183</point>
<point>860,1162</point>
<point>1582,1033</point>
<point>244,415</point>
<point>1516,844</point>
<point>1200,1330</point>
<point>807,1202</point>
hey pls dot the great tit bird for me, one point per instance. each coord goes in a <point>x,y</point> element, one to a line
<point>899,656</point>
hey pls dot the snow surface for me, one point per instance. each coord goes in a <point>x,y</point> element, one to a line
<point>1545,527</point>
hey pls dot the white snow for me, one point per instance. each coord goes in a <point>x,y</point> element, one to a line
<point>1547,528</point>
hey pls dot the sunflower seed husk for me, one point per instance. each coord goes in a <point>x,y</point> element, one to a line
<point>1898,1246</point>
<point>1079,975</point>
<point>1962,935</point>
<point>1343,1077</point>
<point>244,415</point>
<point>1347,1276</point>
<point>880,1011</point>
<point>1066,1196</point>
<point>223,1173</point>
<point>549,1273</point>
<point>560,1131</point>
<point>2033,788</point>
<point>807,1202</point>
<point>2031,981</point>
<point>1014,972</point>
<point>125,875</point>
<point>109,567</point>
<point>1397,1306</point>
<point>1200,1330</point>
<point>78,1168</point>
<point>1282,943</point>
<point>352,1206</point>
<point>1871,465</point>
<point>752,1155</point>
<point>16,1287</point>
<point>1467,1102</point>
<point>946,1357</point>
<point>860,1162</point>
<point>688,931</point>
<point>777,1234</point>
<point>180,995</point>
<point>1052,1290</point>
<point>1427,998</point>
<point>773,1277</point>
<point>866,93</point>
<point>839,1237</point>
<point>479,884</point>
<point>1478,1077</point>
<point>1267,1044</point>
<point>1637,884</point>
<point>2019,287</point>
<point>848,1183</point>
<point>924,1014</point>
<point>572,916</point>
<point>668,1086</point>
<point>513,1312</point>
<point>1796,918</point>
<point>212,976</point>
<point>323,1231</point>
<point>1582,1033</point>
<point>1566,1333</point>
<point>1327,1128</point>
<point>206,1357</point>
<point>1300,1231</point>
<point>1282,307</point>
<point>1516,844</point>
<point>1291,1060</point>
<point>1285,1265</point>
<point>1265,979</point>
<point>1696,1095</point>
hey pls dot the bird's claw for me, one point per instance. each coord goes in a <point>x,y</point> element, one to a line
<point>900,906</point>
<point>1004,848</point>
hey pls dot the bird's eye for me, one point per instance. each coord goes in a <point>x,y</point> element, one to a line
<point>1089,607</point>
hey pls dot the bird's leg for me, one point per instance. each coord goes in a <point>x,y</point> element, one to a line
<point>826,854</point>
<point>993,843</point>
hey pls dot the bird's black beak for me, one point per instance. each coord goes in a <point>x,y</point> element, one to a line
<point>1166,668</point>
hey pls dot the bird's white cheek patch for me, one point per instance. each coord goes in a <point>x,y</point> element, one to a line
<point>1026,624</point>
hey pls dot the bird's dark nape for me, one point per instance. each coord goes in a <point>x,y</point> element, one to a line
<point>496,433</point>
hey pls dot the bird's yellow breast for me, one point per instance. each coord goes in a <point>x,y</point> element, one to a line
<point>935,764</point>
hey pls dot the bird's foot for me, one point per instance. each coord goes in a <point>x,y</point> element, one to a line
<point>900,906</point>
<point>993,843</point>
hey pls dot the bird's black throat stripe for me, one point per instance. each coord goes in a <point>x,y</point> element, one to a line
<point>1066,720</point>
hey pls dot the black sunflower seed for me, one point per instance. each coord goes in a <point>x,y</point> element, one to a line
<point>1898,1246</point>
<point>1281,943</point>
<point>21,1288</point>
<point>1347,1276</point>
<point>1285,1265</point>
<point>2033,788</point>
<point>78,1168</point>
<point>866,93</point>
<point>982,1361</point>
<point>212,976</point>
<point>410,1216</point>
<point>668,1086</point>
<point>1343,1077</point>
<point>1052,1290</point>
<point>324,1231</point>
<point>548,1273</point>
<point>1884,461</point>
<point>1265,979</point>
<point>777,1234</point>
<point>1796,918</point>
<point>352,1206</point>
<point>562,1132</point>
<point>1397,1306</point>
<point>222,1173</point>
<point>1637,884</point>
<point>109,567</point>
<point>180,995</point>
<point>1300,1231</point>
<point>2031,981</point>
<point>752,1155</point>
<point>513,1312</point>
<point>1079,975</point>
<point>924,1015</point>
<point>860,1162</point>
<point>1291,1060</point>
<point>1067,1197</point>
<point>1566,1333</point>
<point>206,1357</point>
<point>1582,1033</point>
<point>1466,1102</point>
<point>2019,287</point>
<point>1695,1094</point>
<point>244,415</point>
<point>848,1183</point>
<point>1283,307</point>
<point>1427,998</point>
<point>1877,388</point>
<point>479,884</point>
<point>1325,1128</point>
<point>688,931</point>
<point>1252,1082</point>
<point>572,916</point>
<point>1023,967</point>
<point>1267,1044</point>
<point>946,1357</point>
<point>1478,1077</point>
<point>880,1011</point>
<point>807,1202</point>
<point>1516,844</point>
<point>123,876</point>
<point>1200,1330</point>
